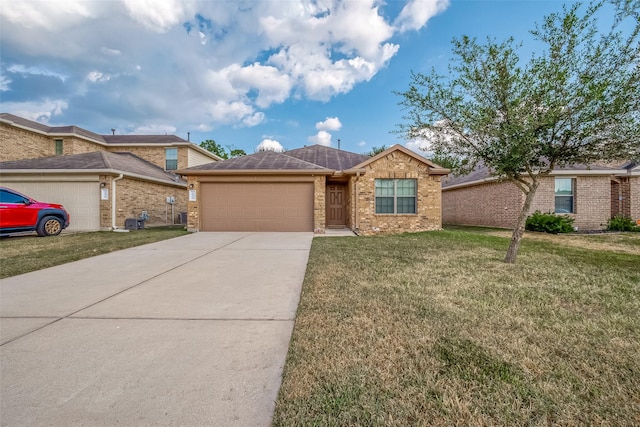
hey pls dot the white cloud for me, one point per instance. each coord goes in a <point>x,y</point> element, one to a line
<point>331,123</point>
<point>254,119</point>
<point>270,145</point>
<point>41,111</point>
<point>321,138</point>
<point>362,144</point>
<point>47,14</point>
<point>195,62</point>
<point>416,13</point>
<point>157,15</point>
<point>154,129</point>
<point>97,76</point>
<point>110,52</point>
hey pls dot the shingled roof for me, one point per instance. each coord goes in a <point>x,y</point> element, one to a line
<point>103,139</point>
<point>328,157</point>
<point>104,161</point>
<point>262,161</point>
<point>482,174</point>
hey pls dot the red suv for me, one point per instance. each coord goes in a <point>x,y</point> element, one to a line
<point>21,213</point>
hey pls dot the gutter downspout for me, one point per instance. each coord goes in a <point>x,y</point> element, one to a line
<point>113,204</point>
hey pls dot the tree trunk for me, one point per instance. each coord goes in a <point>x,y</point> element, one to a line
<point>518,231</point>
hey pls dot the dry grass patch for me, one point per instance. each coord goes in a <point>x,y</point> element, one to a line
<point>22,254</point>
<point>617,242</point>
<point>433,329</point>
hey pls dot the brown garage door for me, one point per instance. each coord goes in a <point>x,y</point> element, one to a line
<point>251,206</point>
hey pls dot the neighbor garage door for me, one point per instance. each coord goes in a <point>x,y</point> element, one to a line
<point>80,199</point>
<point>251,206</point>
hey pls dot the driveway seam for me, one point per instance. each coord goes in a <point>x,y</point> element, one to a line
<point>57,319</point>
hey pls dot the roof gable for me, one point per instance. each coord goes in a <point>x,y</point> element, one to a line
<point>434,169</point>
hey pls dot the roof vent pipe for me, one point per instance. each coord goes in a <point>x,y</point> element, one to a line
<point>113,131</point>
<point>338,143</point>
<point>189,136</point>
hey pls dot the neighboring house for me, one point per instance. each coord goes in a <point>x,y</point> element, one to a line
<point>591,195</point>
<point>100,179</point>
<point>315,188</point>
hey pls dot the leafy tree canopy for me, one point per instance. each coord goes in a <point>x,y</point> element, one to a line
<point>575,102</point>
<point>227,152</point>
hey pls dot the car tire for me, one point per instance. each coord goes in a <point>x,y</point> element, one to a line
<point>49,226</point>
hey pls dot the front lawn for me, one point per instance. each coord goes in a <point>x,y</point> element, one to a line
<point>434,329</point>
<point>22,254</point>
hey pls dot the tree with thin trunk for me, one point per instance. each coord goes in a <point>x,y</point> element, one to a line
<point>575,102</point>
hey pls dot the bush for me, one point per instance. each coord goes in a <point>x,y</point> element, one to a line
<point>622,223</point>
<point>549,223</point>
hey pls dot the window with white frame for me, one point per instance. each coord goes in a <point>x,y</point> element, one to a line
<point>171,159</point>
<point>564,193</point>
<point>396,196</point>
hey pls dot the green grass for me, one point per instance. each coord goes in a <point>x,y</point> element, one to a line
<point>434,329</point>
<point>22,254</point>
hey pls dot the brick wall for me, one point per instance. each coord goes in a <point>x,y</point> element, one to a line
<point>155,155</point>
<point>134,196</point>
<point>498,204</point>
<point>634,197</point>
<point>397,165</point>
<point>319,206</point>
<point>19,144</point>
<point>496,199</point>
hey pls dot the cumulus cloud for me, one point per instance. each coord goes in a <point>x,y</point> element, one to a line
<point>156,15</point>
<point>195,62</point>
<point>270,145</point>
<point>416,13</point>
<point>331,123</point>
<point>322,138</point>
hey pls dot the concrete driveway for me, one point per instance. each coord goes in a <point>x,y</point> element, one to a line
<point>188,331</point>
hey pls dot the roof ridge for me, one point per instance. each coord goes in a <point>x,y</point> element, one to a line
<point>105,160</point>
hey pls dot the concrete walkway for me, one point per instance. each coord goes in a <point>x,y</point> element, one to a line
<point>190,331</point>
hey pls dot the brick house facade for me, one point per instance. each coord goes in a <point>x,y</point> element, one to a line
<point>51,164</point>
<point>597,194</point>
<point>346,191</point>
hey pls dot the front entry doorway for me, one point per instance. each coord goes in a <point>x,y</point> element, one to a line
<point>336,206</point>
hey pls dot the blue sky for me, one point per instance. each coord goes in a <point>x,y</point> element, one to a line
<point>276,72</point>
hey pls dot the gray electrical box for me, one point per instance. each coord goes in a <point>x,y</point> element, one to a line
<point>133,224</point>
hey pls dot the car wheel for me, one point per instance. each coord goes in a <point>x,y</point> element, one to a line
<point>49,226</point>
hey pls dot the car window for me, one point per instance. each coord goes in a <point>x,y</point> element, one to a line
<point>9,197</point>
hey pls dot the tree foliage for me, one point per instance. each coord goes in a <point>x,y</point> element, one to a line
<point>376,150</point>
<point>576,102</point>
<point>227,152</point>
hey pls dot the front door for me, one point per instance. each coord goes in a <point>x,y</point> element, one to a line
<point>336,206</point>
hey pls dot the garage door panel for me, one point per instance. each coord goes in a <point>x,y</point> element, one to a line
<point>80,199</point>
<point>256,206</point>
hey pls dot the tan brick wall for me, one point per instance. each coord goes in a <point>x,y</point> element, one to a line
<point>74,145</point>
<point>155,155</point>
<point>398,165</point>
<point>19,144</point>
<point>462,205</point>
<point>319,204</point>
<point>134,196</point>
<point>498,204</point>
<point>193,218</point>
